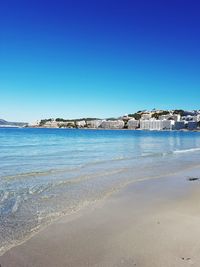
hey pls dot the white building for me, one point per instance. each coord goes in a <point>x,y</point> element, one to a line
<point>175,117</point>
<point>80,124</point>
<point>192,125</point>
<point>118,124</point>
<point>165,117</point>
<point>94,123</point>
<point>178,125</point>
<point>51,124</point>
<point>196,118</point>
<point>155,125</point>
<point>34,124</point>
<point>146,116</point>
<point>133,124</point>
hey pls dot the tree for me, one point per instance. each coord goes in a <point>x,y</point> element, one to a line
<point>42,122</point>
<point>135,116</point>
<point>179,111</point>
<point>157,114</point>
<point>60,120</point>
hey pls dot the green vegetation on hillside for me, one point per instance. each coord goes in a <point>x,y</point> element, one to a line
<point>179,111</point>
<point>42,122</point>
<point>135,116</point>
<point>156,115</point>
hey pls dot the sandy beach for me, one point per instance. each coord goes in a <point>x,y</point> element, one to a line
<point>154,223</point>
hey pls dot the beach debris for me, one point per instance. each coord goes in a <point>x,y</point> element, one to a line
<point>185,259</point>
<point>191,179</point>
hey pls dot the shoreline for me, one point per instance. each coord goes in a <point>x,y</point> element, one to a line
<point>101,129</point>
<point>138,196</point>
<point>93,204</point>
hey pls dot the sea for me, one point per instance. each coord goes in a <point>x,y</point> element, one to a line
<point>48,173</point>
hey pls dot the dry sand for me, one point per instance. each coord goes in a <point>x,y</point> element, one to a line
<point>153,223</point>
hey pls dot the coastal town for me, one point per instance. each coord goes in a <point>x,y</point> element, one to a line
<point>141,120</point>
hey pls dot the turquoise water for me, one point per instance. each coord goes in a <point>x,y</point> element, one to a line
<point>45,173</point>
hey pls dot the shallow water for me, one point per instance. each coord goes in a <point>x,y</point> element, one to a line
<point>45,173</point>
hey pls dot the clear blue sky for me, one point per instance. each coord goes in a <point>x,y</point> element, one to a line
<point>75,58</point>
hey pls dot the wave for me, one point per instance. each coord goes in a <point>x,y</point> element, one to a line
<point>167,153</point>
<point>5,196</point>
<point>45,219</point>
<point>37,173</point>
<point>97,162</point>
<point>62,170</point>
<point>16,204</point>
<point>186,150</point>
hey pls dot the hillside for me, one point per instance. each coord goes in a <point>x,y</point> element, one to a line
<point>8,123</point>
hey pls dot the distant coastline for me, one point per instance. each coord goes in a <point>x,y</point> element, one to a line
<point>141,120</point>
<point>4,123</point>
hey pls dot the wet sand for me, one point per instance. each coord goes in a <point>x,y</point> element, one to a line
<point>153,223</point>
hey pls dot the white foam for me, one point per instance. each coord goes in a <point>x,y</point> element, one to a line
<point>16,204</point>
<point>5,196</point>
<point>186,150</point>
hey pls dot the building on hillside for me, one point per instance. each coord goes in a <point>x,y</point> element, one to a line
<point>125,118</point>
<point>146,116</point>
<point>165,117</point>
<point>155,125</point>
<point>133,124</point>
<point>196,118</point>
<point>118,124</point>
<point>145,124</point>
<point>34,124</point>
<point>178,125</point>
<point>80,124</point>
<point>192,125</point>
<point>51,124</point>
<point>94,124</point>
<point>175,117</point>
<point>189,118</point>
